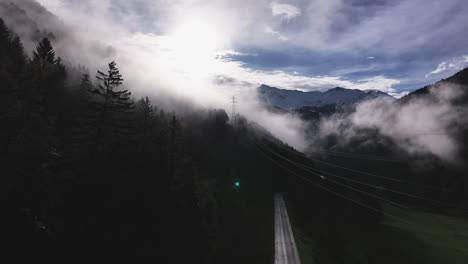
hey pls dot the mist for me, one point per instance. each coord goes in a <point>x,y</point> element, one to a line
<point>179,62</point>
<point>177,69</point>
<point>427,125</point>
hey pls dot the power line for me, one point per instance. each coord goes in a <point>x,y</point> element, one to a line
<point>386,189</point>
<point>360,172</point>
<point>338,183</point>
<point>308,168</point>
<point>351,155</point>
<point>436,133</point>
<point>335,193</point>
<point>234,102</point>
<point>328,190</point>
<point>375,175</point>
<point>430,134</point>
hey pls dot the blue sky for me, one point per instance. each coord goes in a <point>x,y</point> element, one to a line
<point>394,45</point>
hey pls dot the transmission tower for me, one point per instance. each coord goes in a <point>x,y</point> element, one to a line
<point>234,102</point>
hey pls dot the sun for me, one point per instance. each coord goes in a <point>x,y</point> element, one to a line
<point>191,47</point>
<point>196,36</point>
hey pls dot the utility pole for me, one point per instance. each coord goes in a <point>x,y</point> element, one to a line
<point>234,102</point>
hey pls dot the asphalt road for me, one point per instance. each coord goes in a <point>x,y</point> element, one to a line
<point>285,246</point>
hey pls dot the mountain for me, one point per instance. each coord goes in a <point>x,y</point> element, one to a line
<point>293,99</point>
<point>315,105</point>
<point>31,21</point>
<point>460,78</point>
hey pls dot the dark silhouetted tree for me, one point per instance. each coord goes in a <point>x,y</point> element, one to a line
<point>47,77</point>
<point>12,62</point>
<point>112,106</point>
<point>44,53</point>
<point>145,118</point>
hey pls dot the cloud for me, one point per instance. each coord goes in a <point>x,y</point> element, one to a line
<point>176,47</point>
<point>275,33</point>
<point>343,31</point>
<point>286,11</point>
<point>184,60</point>
<point>399,95</point>
<point>443,66</point>
<point>295,81</point>
<point>451,65</point>
<point>423,126</point>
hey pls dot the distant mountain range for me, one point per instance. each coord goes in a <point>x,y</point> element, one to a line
<point>314,105</point>
<point>293,99</point>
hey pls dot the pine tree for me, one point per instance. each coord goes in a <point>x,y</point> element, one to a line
<point>5,38</point>
<point>84,116</point>
<point>146,125</point>
<point>18,57</point>
<point>83,92</point>
<point>112,106</point>
<point>44,53</point>
<point>145,114</point>
<point>12,57</point>
<point>47,77</point>
<point>108,90</point>
<point>174,127</point>
<point>3,28</point>
<point>12,65</point>
<point>145,109</point>
<point>85,84</point>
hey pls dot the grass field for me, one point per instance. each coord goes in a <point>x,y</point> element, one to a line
<point>428,237</point>
<point>305,246</point>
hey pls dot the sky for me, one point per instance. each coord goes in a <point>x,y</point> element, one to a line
<point>394,46</point>
<point>198,54</point>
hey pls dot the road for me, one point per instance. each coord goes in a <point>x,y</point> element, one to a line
<point>285,246</point>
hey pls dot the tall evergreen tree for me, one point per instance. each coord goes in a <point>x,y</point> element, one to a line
<point>113,106</point>
<point>85,83</point>
<point>145,124</point>
<point>44,53</point>
<point>12,61</point>
<point>84,117</point>
<point>145,110</point>
<point>12,57</point>
<point>18,56</point>
<point>174,127</point>
<point>5,37</point>
<point>83,96</point>
<point>47,76</point>
<point>108,89</point>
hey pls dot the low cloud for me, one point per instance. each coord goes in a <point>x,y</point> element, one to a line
<point>423,126</point>
<point>286,11</point>
<point>450,65</point>
<point>275,33</point>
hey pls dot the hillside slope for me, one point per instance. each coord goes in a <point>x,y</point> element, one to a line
<point>460,79</point>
